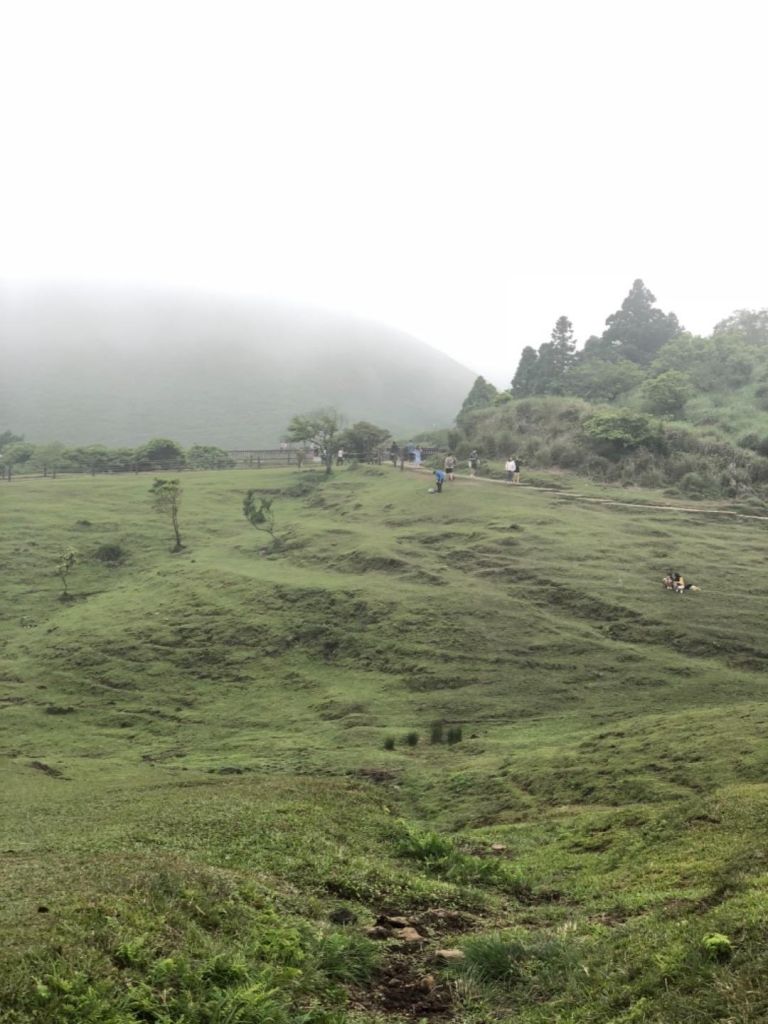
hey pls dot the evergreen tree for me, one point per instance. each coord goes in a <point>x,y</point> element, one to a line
<point>526,376</point>
<point>638,330</point>
<point>481,396</point>
<point>563,346</point>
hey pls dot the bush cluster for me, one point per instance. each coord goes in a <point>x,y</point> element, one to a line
<point>617,446</point>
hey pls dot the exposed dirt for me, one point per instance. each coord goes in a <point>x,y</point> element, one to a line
<point>406,987</point>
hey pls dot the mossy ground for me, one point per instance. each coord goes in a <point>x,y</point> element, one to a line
<point>194,775</point>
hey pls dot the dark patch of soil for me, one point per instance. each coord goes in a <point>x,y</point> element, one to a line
<point>377,775</point>
<point>439,920</point>
<point>41,766</point>
<point>407,988</point>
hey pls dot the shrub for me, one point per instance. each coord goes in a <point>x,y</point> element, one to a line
<point>717,946</point>
<point>455,734</point>
<point>698,485</point>
<point>389,743</point>
<point>614,433</point>
<point>203,456</point>
<point>412,739</point>
<point>667,394</point>
<point>424,846</point>
<point>112,554</point>
<point>750,441</point>
<point>566,454</point>
<point>436,732</point>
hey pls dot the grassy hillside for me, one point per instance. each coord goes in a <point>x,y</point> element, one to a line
<point>616,444</point>
<point>119,367</point>
<point>197,794</point>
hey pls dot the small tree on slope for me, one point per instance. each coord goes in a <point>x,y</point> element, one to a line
<point>166,499</point>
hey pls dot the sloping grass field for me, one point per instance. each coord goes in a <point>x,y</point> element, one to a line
<point>201,819</point>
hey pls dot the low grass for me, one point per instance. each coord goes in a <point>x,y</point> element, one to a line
<point>195,776</point>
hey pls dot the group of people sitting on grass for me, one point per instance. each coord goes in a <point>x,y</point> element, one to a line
<point>675,582</point>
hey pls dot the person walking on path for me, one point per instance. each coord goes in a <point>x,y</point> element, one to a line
<point>474,462</point>
<point>450,465</point>
<point>516,474</point>
<point>510,468</point>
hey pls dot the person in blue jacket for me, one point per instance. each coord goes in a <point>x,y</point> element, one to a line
<point>440,478</point>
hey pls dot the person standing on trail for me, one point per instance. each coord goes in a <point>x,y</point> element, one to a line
<point>394,453</point>
<point>450,465</point>
<point>440,480</point>
<point>516,474</point>
<point>417,456</point>
<point>474,462</point>
<point>510,468</point>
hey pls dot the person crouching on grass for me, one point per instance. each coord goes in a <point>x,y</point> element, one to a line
<point>439,479</point>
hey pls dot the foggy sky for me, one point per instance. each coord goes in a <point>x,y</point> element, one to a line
<point>466,172</point>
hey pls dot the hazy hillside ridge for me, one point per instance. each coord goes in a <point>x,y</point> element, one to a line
<point>120,367</point>
<point>202,816</point>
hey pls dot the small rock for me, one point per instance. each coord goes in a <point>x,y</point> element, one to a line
<point>409,935</point>
<point>449,955</point>
<point>426,984</point>
<point>393,922</point>
<point>377,932</point>
<point>498,847</point>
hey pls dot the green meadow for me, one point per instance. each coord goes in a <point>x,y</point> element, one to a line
<point>219,768</point>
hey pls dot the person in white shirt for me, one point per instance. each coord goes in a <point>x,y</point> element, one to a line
<point>511,468</point>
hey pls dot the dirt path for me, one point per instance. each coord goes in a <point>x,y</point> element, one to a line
<point>574,495</point>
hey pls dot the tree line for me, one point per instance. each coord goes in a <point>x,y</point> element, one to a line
<point>642,350</point>
<point>323,430</point>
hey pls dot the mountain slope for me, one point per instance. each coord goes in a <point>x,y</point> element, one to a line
<point>202,812</point>
<point>117,368</point>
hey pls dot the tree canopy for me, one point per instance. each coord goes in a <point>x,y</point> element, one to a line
<point>320,428</point>
<point>160,453</point>
<point>364,439</point>
<point>481,395</point>
<point>638,330</point>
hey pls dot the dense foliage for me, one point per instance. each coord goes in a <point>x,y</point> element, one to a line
<point>54,457</point>
<point>646,402</point>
